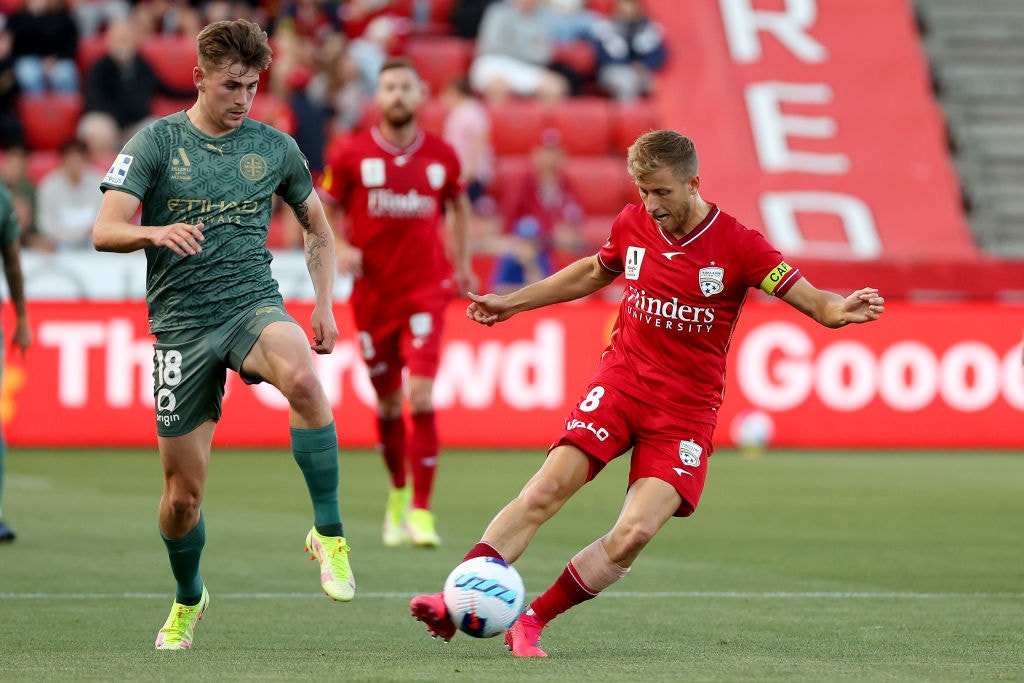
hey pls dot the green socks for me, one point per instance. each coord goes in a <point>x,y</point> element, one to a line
<point>184,553</point>
<point>316,452</point>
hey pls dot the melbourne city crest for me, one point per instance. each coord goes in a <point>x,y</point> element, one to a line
<point>711,280</point>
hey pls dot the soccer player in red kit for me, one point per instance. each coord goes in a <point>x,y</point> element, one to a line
<point>397,186</point>
<point>687,267</point>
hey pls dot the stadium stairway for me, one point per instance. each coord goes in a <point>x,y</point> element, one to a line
<point>977,64</point>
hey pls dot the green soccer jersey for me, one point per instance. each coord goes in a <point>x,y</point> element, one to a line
<point>9,229</point>
<point>182,175</point>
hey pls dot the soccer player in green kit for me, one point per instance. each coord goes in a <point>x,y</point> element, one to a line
<point>205,179</point>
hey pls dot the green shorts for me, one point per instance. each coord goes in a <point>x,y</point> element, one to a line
<point>190,367</point>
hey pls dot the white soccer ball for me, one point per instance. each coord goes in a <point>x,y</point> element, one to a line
<point>484,596</point>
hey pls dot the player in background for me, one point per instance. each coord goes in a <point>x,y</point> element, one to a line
<point>397,185</point>
<point>687,267</point>
<point>22,337</point>
<point>205,179</point>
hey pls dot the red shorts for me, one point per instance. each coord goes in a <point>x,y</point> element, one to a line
<point>606,423</point>
<point>412,342</point>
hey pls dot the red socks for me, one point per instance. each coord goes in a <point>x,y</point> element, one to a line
<point>392,447</point>
<point>423,448</point>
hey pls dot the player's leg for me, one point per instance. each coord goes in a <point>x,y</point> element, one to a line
<point>564,471</point>
<point>420,349</point>
<point>423,449</point>
<point>391,442</point>
<point>281,356</point>
<point>6,533</point>
<point>186,460</point>
<point>649,504</point>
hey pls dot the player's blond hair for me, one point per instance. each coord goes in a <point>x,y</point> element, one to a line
<point>660,149</point>
<point>229,42</point>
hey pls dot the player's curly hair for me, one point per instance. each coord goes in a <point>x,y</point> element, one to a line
<point>659,149</point>
<point>229,42</point>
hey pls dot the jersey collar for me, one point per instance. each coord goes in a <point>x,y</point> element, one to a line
<point>378,137</point>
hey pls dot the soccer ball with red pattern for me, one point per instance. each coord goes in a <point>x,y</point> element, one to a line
<point>484,596</point>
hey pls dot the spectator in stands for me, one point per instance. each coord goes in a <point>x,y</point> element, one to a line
<point>168,17</point>
<point>467,128</point>
<point>543,219</point>
<point>337,87</point>
<point>45,47</point>
<point>69,198</point>
<point>465,17</point>
<point>121,84</point>
<point>14,175</point>
<point>515,51</point>
<point>93,16</point>
<point>630,48</point>
<point>11,132</point>
<point>571,19</point>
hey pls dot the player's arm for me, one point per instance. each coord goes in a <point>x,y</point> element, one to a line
<point>318,238</point>
<point>114,230</point>
<point>575,281</point>
<point>458,217</point>
<point>22,336</point>
<point>831,309</point>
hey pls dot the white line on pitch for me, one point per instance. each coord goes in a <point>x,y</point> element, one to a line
<point>775,595</point>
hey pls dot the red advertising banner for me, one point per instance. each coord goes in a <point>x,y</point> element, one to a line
<point>943,375</point>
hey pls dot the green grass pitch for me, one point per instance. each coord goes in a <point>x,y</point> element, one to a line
<point>798,566</point>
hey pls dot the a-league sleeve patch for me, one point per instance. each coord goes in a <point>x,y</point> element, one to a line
<point>118,170</point>
<point>775,278</point>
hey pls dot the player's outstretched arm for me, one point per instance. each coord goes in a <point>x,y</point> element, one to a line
<point>318,238</point>
<point>113,229</point>
<point>575,281</point>
<point>831,309</point>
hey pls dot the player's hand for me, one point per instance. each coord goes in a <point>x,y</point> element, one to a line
<point>350,260</point>
<point>183,239</point>
<point>487,309</point>
<point>325,330</point>
<point>863,305</point>
<point>22,337</point>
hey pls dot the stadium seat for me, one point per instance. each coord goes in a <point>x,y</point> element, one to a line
<point>432,114</point>
<point>509,171</point>
<point>585,125</point>
<point>578,55</point>
<point>161,105</point>
<point>517,125</point>
<point>273,111</point>
<point>89,50</point>
<point>439,59</point>
<point>172,57</point>
<point>42,162</point>
<point>606,7</point>
<point>49,120</point>
<point>629,121</point>
<point>601,183</point>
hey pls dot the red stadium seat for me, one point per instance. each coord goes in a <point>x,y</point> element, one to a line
<point>42,162</point>
<point>273,111</point>
<point>49,120</point>
<point>602,6</point>
<point>439,59</point>
<point>172,57</point>
<point>630,121</point>
<point>432,114</point>
<point>161,105</point>
<point>517,125</point>
<point>509,171</point>
<point>585,125</point>
<point>601,184</point>
<point>578,55</point>
<point>89,50</point>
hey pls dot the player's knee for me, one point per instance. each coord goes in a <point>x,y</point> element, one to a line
<point>544,495</point>
<point>303,391</point>
<point>628,538</point>
<point>183,503</point>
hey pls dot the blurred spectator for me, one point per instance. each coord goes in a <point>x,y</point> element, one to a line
<point>69,198</point>
<point>102,138</point>
<point>369,51</point>
<point>93,16</point>
<point>336,86</point>
<point>543,219</point>
<point>467,128</point>
<point>514,55</point>
<point>11,132</point>
<point>465,17</point>
<point>14,174</point>
<point>45,47</point>
<point>121,84</point>
<point>571,20</point>
<point>630,48</point>
<point>168,17</point>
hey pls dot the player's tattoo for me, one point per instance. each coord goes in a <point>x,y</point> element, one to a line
<point>302,213</point>
<point>315,242</point>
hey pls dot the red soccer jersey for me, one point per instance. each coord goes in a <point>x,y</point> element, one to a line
<point>680,304</point>
<point>393,200</point>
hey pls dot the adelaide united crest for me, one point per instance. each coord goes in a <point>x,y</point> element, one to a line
<point>711,280</point>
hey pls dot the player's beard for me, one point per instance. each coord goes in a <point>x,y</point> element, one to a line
<point>399,116</point>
